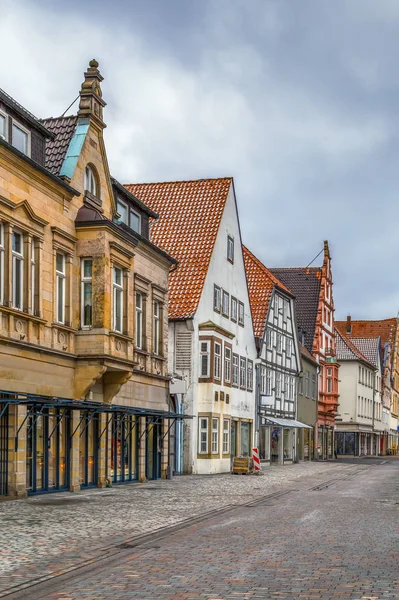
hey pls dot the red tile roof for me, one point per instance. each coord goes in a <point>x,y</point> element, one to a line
<point>348,351</point>
<point>385,329</point>
<point>260,286</point>
<point>190,213</point>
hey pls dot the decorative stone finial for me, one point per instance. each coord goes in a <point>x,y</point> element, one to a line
<point>91,103</point>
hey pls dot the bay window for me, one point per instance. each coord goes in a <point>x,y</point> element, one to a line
<point>86,292</point>
<point>60,288</point>
<point>226,436</point>
<point>17,270</point>
<point>139,320</point>
<point>215,435</point>
<point>227,364</point>
<point>217,360</point>
<point>118,299</point>
<point>205,359</point>
<point>203,435</point>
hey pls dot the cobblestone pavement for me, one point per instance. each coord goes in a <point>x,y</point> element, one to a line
<point>318,541</point>
<point>47,533</point>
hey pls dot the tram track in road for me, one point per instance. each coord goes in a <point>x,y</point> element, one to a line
<point>111,555</point>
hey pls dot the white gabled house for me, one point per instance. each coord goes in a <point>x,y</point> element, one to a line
<point>212,348</point>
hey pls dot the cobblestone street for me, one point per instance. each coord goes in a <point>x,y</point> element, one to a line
<point>329,542</point>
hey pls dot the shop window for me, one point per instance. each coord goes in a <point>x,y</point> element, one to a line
<point>235,369</point>
<point>60,275</point>
<point>233,314</point>
<point>157,313</point>
<point>117,299</point>
<point>230,249</point>
<point>17,270</point>
<point>217,360</point>
<point>216,298</point>
<point>226,436</point>
<point>203,435</point>
<point>225,304</point>
<point>243,372</point>
<point>86,309</point>
<point>215,436</point>
<point>227,364</point>
<point>205,359</point>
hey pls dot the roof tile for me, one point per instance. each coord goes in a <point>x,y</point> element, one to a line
<point>190,213</point>
<point>346,350</point>
<point>63,129</point>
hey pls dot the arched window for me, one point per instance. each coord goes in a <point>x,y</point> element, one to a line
<point>91,184</point>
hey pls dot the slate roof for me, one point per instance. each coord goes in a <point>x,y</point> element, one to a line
<point>304,282</point>
<point>384,329</point>
<point>190,213</point>
<point>21,110</point>
<point>346,350</point>
<point>63,128</point>
<point>260,287</point>
<point>369,347</point>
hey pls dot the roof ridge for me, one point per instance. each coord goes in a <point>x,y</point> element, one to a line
<point>58,118</point>
<point>294,268</point>
<point>275,279</point>
<point>368,320</point>
<point>229,178</point>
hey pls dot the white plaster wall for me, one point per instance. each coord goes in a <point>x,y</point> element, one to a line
<point>349,389</point>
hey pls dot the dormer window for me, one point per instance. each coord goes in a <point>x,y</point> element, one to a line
<point>20,138</point>
<point>135,221</point>
<point>122,210</point>
<point>91,181</point>
<point>129,217</point>
<point>3,122</point>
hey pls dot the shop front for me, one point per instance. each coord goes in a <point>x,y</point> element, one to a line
<point>3,449</point>
<point>278,440</point>
<point>325,442</point>
<point>124,448</point>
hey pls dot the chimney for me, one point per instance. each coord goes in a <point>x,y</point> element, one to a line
<point>348,324</point>
<point>91,103</point>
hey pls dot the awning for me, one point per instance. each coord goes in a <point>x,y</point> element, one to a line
<point>284,423</point>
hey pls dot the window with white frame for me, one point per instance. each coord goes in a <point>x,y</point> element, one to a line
<point>278,384</point>
<point>329,380</point>
<point>215,435</point>
<point>225,304</point>
<point>227,364</point>
<point>269,339</point>
<point>33,277</point>
<point>205,359</point>
<point>20,138</point>
<point>86,292</point>
<point>243,372</point>
<point>216,298</point>
<point>230,249</point>
<point>291,392</point>
<point>203,435</point>
<point>139,320</point>
<point>285,310</point>
<point>263,380</point>
<point>279,342</point>
<point>217,361</point>
<point>268,382</point>
<point>157,313</point>
<point>121,207</point>
<point>235,369</point>
<point>288,349</point>
<point>1,263</point>
<point>117,299</point>
<point>240,313</point>
<point>91,181</point>
<point>135,221</point>
<point>3,125</point>
<point>60,276</point>
<point>17,270</point>
<point>250,375</point>
<point>286,387</point>
<point>226,436</point>
<point>233,314</point>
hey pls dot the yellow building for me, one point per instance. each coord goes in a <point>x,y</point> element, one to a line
<point>83,310</point>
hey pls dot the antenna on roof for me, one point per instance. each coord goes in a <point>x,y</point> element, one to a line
<point>77,98</point>
<point>312,261</point>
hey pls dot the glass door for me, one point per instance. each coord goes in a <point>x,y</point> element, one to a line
<point>154,451</point>
<point>3,450</point>
<point>88,450</point>
<point>124,448</point>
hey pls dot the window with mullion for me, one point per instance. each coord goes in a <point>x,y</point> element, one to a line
<point>217,367</point>
<point>226,436</point>
<point>205,359</point>
<point>118,299</point>
<point>157,314</point>
<point>203,435</point>
<point>215,435</point>
<point>227,364</point>
<point>60,288</point>
<point>17,270</point>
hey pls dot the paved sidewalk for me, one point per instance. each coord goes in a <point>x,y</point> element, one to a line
<point>47,533</point>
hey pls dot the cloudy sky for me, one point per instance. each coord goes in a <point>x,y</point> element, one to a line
<point>297,99</point>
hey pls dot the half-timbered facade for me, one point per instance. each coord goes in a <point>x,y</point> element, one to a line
<point>278,364</point>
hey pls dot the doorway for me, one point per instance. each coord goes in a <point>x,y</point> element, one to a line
<point>153,451</point>
<point>88,450</point>
<point>3,450</point>
<point>124,448</point>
